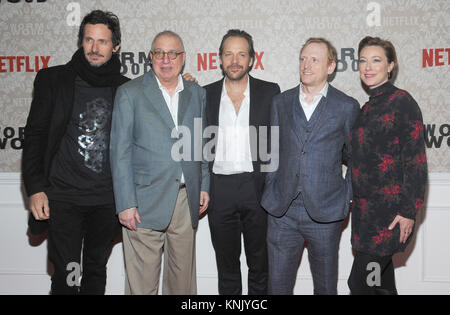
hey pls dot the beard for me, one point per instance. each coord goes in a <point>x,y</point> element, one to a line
<point>238,75</point>
<point>97,65</point>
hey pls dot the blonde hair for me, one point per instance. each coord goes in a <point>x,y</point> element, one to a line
<point>332,54</point>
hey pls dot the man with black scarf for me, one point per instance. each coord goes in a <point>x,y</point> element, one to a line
<point>65,163</point>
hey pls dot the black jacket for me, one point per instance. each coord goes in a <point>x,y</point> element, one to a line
<point>50,112</point>
<point>261,95</point>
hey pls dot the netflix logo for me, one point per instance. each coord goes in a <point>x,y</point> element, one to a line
<point>23,63</point>
<point>210,61</point>
<point>435,57</point>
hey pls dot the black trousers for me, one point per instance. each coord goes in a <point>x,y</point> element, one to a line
<point>236,211</point>
<point>73,229</point>
<point>372,275</point>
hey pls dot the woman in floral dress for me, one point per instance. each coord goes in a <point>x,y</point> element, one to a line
<point>389,171</point>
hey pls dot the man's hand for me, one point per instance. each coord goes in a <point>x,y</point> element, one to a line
<point>39,206</point>
<point>129,217</point>
<point>189,77</point>
<point>204,201</point>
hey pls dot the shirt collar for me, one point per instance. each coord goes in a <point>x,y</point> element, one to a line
<point>322,92</point>
<point>246,92</point>
<point>179,88</point>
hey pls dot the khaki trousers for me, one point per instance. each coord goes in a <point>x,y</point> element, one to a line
<point>144,249</point>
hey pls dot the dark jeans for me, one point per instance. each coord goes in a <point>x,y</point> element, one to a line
<point>73,229</point>
<point>372,275</point>
<point>236,211</point>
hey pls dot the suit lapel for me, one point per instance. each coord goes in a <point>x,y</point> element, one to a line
<point>154,95</point>
<point>318,117</point>
<point>295,113</point>
<point>66,93</point>
<point>254,118</point>
<point>254,101</point>
<point>64,98</point>
<point>216,96</point>
<point>183,104</point>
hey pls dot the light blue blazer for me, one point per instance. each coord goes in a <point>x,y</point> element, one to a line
<point>145,174</point>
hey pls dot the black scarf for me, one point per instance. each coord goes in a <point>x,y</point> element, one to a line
<point>107,74</point>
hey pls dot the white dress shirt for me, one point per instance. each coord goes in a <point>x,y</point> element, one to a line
<point>309,108</point>
<point>233,154</point>
<point>172,103</point>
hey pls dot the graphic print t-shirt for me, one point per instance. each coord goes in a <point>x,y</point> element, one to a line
<point>80,171</point>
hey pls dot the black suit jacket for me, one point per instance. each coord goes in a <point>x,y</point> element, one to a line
<point>50,112</point>
<point>261,95</point>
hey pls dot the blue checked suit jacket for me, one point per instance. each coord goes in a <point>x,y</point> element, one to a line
<point>311,162</point>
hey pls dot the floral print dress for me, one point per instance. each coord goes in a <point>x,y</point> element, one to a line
<point>389,169</point>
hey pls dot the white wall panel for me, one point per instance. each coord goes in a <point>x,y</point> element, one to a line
<point>422,269</point>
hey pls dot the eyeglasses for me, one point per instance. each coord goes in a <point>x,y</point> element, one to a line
<point>159,54</point>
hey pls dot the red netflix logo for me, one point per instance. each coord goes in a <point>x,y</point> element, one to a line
<point>210,61</point>
<point>435,57</point>
<point>23,63</point>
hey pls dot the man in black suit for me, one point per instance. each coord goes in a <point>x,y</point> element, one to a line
<point>65,163</point>
<point>239,105</point>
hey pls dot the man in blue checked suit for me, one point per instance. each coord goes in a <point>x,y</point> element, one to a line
<point>308,197</point>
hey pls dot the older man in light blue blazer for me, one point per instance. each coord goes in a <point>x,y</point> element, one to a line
<point>161,183</point>
<point>307,196</point>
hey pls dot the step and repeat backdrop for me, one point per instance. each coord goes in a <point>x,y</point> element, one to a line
<point>36,34</point>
